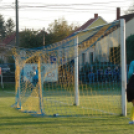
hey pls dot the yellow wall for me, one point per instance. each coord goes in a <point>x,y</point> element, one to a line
<point>98,22</point>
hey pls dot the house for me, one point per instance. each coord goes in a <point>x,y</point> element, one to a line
<point>5,46</point>
<point>129,19</point>
<point>96,21</point>
<point>87,56</point>
<point>9,40</point>
<point>107,49</point>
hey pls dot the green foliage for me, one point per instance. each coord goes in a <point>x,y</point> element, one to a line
<point>2,27</point>
<point>9,26</point>
<point>30,39</point>
<point>130,48</point>
<point>58,30</point>
<point>6,28</point>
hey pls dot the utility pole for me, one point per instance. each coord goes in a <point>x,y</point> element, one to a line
<point>43,36</point>
<point>17,23</point>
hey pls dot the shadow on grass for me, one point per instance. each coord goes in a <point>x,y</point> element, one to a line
<point>53,122</point>
<point>62,123</point>
<point>79,116</point>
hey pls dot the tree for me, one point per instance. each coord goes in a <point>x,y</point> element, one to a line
<point>30,39</point>
<point>2,27</point>
<point>9,26</point>
<point>130,48</point>
<point>59,29</point>
<point>6,28</point>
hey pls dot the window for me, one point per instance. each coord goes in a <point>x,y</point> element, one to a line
<point>91,57</point>
<point>83,58</point>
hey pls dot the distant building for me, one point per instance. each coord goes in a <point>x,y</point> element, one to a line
<point>129,19</point>
<point>5,46</point>
<point>88,56</point>
<point>107,49</point>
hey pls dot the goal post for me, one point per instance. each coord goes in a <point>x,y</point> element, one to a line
<point>123,64</point>
<point>76,73</point>
<point>1,75</point>
<point>40,85</point>
<point>82,75</point>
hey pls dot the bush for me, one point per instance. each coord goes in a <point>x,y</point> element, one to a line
<point>130,48</point>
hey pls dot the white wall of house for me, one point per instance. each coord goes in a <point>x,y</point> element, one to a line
<point>86,57</point>
<point>101,51</point>
<point>130,27</point>
<point>102,47</point>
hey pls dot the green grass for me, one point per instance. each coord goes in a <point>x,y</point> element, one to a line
<point>96,100</point>
<point>13,121</point>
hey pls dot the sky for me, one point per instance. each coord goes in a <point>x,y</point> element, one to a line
<point>38,14</point>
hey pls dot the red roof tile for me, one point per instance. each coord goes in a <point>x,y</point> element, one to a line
<point>85,25</point>
<point>8,39</point>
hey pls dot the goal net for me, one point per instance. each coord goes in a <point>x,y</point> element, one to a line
<point>78,76</point>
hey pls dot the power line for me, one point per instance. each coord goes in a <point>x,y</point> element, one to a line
<point>56,6</point>
<point>69,8</point>
<point>91,3</point>
<point>63,9</point>
<point>74,7</point>
<point>41,4</point>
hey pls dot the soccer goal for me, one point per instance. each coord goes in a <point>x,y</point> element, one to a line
<point>82,75</point>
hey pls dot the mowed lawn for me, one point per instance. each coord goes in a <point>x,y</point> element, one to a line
<point>13,121</point>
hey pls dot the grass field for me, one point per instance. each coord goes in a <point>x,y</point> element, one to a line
<point>13,121</point>
<point>95,100</point>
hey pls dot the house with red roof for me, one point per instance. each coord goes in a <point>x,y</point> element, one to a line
<point>109,45</point>
<point>5,46</point>
<point>9,40</point>
<point>93,22</point>
<point>87,57</point>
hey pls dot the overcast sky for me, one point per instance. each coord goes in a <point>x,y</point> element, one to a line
<point>40,13</point>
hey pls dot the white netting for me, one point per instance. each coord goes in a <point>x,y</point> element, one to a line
<point>46,77</point>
